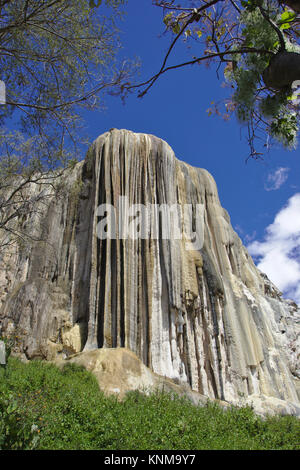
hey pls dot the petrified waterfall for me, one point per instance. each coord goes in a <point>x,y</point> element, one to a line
<point>193,307</point>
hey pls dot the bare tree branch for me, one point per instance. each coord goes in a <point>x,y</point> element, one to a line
<point>245,50</point>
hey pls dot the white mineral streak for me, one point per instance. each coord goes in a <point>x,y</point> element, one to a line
<point>204,316</point>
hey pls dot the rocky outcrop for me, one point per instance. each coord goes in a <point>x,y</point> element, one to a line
<point>119,371</point>
<point>178,289</point>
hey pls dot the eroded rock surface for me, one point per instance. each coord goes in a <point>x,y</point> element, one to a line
<point>202,315</point>
<point>119,371</point>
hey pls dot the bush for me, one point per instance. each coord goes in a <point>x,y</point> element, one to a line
<point>44,407</point>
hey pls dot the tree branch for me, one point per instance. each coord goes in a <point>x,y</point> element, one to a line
<point>193,17</point>
<point>151,81</point>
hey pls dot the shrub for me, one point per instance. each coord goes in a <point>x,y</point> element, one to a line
<point>45,407</point>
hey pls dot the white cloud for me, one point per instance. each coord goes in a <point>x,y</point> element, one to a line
<point>279,253</point>
<point>276,179</point>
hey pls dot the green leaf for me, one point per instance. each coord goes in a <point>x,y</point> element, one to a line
<point>285,26</point>
<point>95,3</point>
<point>12,407</point>
<point>249,5</point>
<point>288,16</point>
<point>167,18</point>
<point>176,28</point>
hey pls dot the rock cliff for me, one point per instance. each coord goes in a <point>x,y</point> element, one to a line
<point>121,264</point>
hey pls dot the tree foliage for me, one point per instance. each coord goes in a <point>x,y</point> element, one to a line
<point>56,58</point>
<point>253,43</point>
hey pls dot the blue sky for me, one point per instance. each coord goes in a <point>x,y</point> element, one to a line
<point>254,193</point>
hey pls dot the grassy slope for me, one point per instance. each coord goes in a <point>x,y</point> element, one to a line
<point>44,407</point>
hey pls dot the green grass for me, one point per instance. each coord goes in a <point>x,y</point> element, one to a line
<point>43,407</point>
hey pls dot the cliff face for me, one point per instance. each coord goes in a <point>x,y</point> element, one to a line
<point>184,295</point>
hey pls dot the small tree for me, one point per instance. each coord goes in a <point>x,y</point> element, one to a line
<point>255,44</point>
<point>56,57</point>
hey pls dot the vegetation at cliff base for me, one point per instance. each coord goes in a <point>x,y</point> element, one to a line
<point>44,407</point>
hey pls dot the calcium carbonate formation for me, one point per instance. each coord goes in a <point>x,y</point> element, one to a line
<point>193,307</point>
